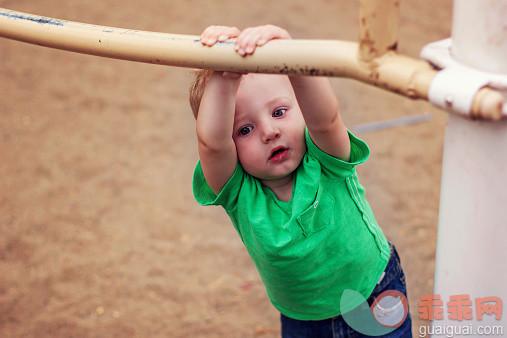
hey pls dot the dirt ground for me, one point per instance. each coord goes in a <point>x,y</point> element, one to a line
<point>99,232</point>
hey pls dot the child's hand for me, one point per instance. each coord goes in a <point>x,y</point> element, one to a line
<point>247,40</point>
<point>254,37</point>
<point>212,34</point>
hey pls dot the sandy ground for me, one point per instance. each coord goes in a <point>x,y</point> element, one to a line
<point>99,231</point>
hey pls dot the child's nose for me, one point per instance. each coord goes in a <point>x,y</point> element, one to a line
<point>270,133</point>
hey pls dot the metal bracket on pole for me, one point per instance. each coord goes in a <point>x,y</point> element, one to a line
<point>455,88</point>
<point>462,89</point>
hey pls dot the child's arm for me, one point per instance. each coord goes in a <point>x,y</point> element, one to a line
<point>315,96</point>
<point>215,118</point>
<point>319,106</point>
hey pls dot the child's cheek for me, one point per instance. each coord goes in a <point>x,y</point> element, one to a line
<point>241,149</point>
<point>247,153</point>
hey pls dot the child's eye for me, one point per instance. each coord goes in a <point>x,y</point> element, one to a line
<point>245,130</point>
<point>279,112</point>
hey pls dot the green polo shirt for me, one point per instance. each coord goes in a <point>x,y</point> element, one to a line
<point>308,250</point>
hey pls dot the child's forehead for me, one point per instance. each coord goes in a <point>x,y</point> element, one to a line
<point>264,87</point>
<point>254,79</point>
<point>258,91</point>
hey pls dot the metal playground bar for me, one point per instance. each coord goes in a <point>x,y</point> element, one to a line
<point>465,75</point>
<point>373,60</point>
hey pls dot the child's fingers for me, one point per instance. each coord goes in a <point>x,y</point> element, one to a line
<point>272,34</point>
<point>247,41</point>
<point>209,40</point>
<point>254,37</point>
<point>223,38</point>
<point>212,34</point>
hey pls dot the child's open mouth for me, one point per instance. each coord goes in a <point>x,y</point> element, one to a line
<point>278,154</point>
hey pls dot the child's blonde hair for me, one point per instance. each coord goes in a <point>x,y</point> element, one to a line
<point>197,89</point>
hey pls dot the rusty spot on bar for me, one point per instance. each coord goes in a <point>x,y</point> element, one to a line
<point>394,46</point>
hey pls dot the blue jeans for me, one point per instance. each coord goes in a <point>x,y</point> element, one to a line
<point>394,279</point>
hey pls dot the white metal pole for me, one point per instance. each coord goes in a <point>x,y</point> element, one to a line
<point>472,231</point>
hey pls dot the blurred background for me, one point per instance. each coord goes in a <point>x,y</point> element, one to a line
<point>99,232</point>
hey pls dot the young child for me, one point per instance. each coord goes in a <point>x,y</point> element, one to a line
<point>275,154</point>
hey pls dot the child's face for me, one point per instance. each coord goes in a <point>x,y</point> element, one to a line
<point>268,126</point>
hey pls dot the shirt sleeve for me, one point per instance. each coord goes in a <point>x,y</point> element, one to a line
<point>227,198</point>
<point>359,153</point>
